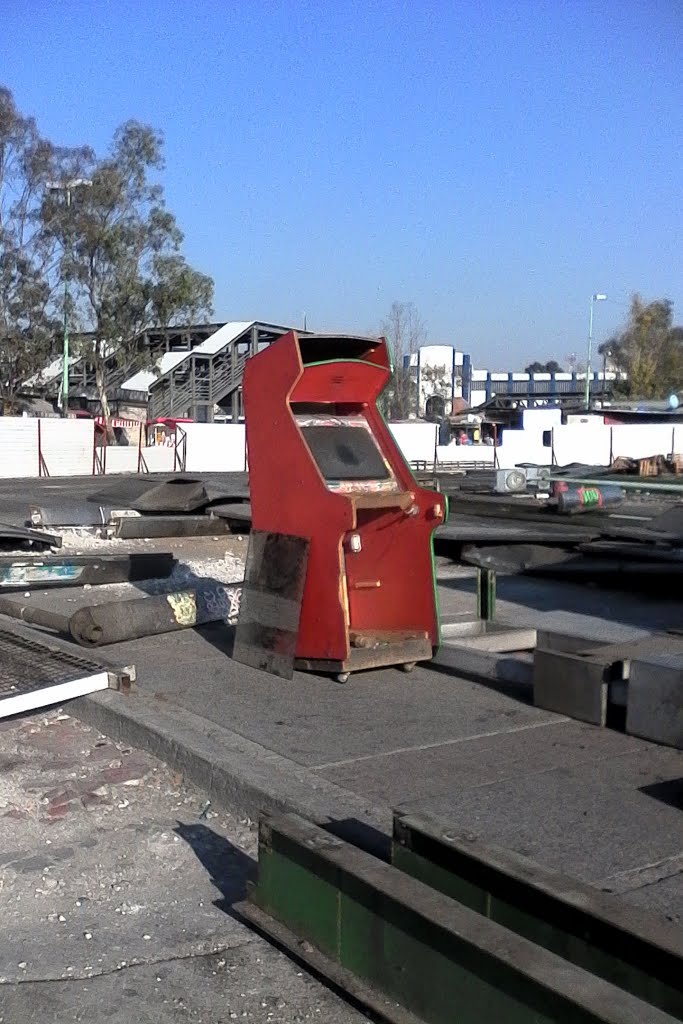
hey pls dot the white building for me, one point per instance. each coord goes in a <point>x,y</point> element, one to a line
<point>444,372</point>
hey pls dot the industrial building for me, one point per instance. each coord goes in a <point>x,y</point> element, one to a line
<point>442,371</point>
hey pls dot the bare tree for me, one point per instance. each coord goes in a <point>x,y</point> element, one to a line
<point>405,332</point>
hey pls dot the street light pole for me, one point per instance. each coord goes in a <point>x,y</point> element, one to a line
<point>597,297</point>
<point>67,187</point>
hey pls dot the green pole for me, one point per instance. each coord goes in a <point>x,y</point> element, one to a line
<point>65,350</point>
<point>65,355</point>
<point>587,393</point>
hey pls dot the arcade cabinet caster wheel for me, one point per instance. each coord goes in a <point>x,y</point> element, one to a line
<point>408,666</point>
<point>342,677</point>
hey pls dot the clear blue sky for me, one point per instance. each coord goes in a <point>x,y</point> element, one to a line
<point>493,162</point>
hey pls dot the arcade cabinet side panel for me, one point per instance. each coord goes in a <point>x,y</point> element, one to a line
<point>271,435</point>
<point>417,540</point>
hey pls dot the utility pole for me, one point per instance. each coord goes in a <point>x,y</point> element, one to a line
<point>67,188</point>
<point>597,297</point>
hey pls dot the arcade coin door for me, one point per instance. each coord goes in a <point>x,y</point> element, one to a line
<point>323,465</point>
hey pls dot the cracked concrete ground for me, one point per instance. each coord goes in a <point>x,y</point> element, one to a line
<point>116,890</point>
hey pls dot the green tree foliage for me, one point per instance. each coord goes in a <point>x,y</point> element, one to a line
<point>550,367</point>
<point>405,332</point>
<point>114,245</point>
<point>122,253</point>
<point>649,350</point>
<point>28,253</point>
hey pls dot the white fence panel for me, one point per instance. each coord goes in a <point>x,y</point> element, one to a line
<point>18,446</point>
<point>158,459</point>
<point>639,441</point>
<point>456,453</point>
<point>67,446</point>
<point>523,446</point>
<point>416,440</point>
<point>588,443</point>
<point>541,419</point>
<point>120,460</point>
<point>215,447</point>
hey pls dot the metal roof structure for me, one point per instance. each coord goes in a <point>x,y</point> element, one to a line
<point>143,379</point>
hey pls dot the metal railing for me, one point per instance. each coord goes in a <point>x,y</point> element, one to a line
<point>199,380</point>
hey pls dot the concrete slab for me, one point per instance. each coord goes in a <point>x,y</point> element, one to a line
<point>312,719</point>
<point>233,771</point>
<point>663,897</point>
<point>77,499</point>
<point>480,635</point>
<point>509,672</point>
<point>654,708</point>
<point>590,820</point>
<point>428,773</point>
<point>571,684</point>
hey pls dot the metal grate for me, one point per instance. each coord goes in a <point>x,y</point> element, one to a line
<point>27,665</point>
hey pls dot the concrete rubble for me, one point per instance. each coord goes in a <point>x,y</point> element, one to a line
<point>116,889</point>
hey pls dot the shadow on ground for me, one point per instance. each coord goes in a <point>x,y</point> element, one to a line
<point>641,611</point>
<point>670,792</point>
<point>229,867</point>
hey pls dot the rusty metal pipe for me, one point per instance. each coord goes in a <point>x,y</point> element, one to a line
<point>114,622</point>
<point>34,616</point>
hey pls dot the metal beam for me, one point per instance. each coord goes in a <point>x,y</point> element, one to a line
<point>622,944</point>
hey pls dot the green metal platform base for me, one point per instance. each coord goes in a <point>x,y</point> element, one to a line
<point>409,952</point>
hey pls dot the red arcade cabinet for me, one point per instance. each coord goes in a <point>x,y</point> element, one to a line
<point>323,465</point>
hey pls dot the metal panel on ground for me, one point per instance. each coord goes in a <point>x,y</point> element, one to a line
<point>270,608</point>
<point>33,675</point>
<point>77,570</point>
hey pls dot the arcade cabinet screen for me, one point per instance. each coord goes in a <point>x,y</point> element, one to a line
<point>344,449</point>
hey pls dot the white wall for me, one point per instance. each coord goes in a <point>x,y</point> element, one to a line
<point>541,419</point>
<point>456,453</point>
<point>523,446</point>
<point>67,445</point>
